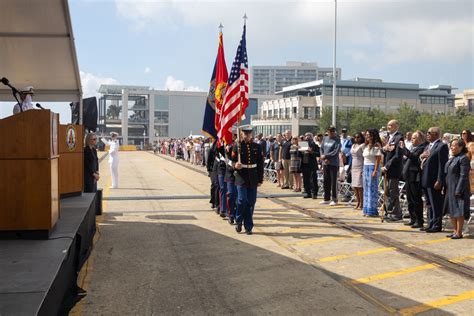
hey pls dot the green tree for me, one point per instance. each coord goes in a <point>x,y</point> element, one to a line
<point>113,112</point>
<point>407,117</point>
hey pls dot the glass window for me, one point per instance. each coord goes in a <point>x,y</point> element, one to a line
<point>161,102</point>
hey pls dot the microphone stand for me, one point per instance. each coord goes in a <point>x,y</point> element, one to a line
<point>6,82</point>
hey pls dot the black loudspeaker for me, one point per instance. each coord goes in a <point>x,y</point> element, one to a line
<point>89,117</point>
<point>74,112</point>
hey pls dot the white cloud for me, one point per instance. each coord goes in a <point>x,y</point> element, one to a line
<point>147,71</point>
<point>91,83</point>
<point>382,31</point>
<point>178,85</point>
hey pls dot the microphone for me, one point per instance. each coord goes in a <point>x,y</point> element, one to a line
<point>6,82</point>
<point>39,106</point>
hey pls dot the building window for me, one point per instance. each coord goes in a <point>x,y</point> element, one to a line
<point>162,117</point>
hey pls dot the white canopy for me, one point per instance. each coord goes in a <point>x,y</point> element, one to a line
<point>37,49</point>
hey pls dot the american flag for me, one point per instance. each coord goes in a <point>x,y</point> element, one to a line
<point>236,98</point>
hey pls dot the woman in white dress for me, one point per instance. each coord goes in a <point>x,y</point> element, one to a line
<point>357,168</point>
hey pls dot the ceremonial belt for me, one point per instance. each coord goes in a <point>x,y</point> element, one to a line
<point>249,166</point>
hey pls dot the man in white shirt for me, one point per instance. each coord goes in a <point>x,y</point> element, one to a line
<point>113,157</point>
<point>26,97</point>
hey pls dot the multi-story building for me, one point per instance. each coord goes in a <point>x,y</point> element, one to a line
<point>465,100</point>
<point>267,80</point>
<point>300,106</point>
<point>155,113</point>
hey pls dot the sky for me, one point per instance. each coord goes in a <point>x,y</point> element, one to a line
<point>172,44</point>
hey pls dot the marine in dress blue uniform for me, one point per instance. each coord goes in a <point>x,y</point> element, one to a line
<point>229,179</point>
<point>248,176</point>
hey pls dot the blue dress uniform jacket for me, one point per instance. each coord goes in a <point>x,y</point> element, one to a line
<point>251,154</point>
<point>229,171</point>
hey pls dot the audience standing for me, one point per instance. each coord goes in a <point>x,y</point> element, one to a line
<point>330,148</point>
<point>457,186</point>
<point>434,159</point>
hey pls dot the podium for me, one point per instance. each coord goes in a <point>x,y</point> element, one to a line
<point>71,160</point>
<point>29,172</point>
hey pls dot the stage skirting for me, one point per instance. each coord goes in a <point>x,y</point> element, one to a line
<point>39,277</point>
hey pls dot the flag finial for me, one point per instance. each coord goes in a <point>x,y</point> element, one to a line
<point>220,27</point>
<point>245,18</point>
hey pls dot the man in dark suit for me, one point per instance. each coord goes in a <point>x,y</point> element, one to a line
<point>309,167</point>
<point>412,176</point>
<point>393,170</point>
<point>433,160</point>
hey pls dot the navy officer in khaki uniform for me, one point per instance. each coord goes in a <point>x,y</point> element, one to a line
<point>248,164</point>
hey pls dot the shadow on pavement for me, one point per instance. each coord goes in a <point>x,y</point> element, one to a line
<point>160,268</point>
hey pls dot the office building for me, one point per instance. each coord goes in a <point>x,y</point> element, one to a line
<point>267,80</point>
<point>299,107</point>
<point>465,100</point>
<point>152,114</point>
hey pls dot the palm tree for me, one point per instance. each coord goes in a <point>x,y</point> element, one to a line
<point>113,111</point>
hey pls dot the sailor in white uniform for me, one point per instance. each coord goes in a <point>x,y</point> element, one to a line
<point>26,97</point>
<point>113,157</point>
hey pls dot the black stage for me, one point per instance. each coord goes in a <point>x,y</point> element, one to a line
<point>38,277</point>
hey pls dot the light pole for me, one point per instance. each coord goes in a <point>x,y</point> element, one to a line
<point>334,76</point>
<point>144,134</point>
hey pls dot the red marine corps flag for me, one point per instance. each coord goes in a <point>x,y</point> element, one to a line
<point>236,98</point>
<point>221,81</point>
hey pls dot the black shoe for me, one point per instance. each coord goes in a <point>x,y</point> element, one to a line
<point>314,196</point>
<point>222,215</point>
<point>409,224</point>
<point>450,235</point>
<point>217,211</point>
<point>230,220</point>
<point>423,229</point>
<point>238,228</point>
<point>416,225</point>
<point>393,219</point>
<point>285,187</point>
<point>307,196</point>
<point>456,237</point>
<point>249,232</point>
<point>433,230</point>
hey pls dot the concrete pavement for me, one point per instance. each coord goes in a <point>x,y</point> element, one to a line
<point>168,256</point>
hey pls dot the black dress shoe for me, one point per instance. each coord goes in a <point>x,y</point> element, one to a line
<point>433,230</point>
<point>248,232</point>
<point>416,225</point>
<point>409,224</point>
<point>456,237</point>
<point>314,196</point>
<point>230,220</point>
<point>307,196</point>
<point>217,211</point>
<point>238,228</point>
<point>393,219</point>
<point>423,229</point>
<point>222,215</point>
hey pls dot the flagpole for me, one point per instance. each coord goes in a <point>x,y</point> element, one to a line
<point>239,150</point>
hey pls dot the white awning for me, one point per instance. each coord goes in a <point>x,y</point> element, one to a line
<point>37,49</point>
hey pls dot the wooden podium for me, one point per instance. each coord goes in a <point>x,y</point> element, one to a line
<point>29,169</point>
<point>71,160</point>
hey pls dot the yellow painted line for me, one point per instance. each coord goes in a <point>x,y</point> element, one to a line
<point>313,263</point>
<point>462,259</point>
<point>404,228</point>
<point>324,239</point>
<point>429,242</point>
<point>334,258</point>
<point>437,303</point>
<point>392,274</point>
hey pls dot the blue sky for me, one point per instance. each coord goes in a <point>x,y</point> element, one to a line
<point>173,43</point>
